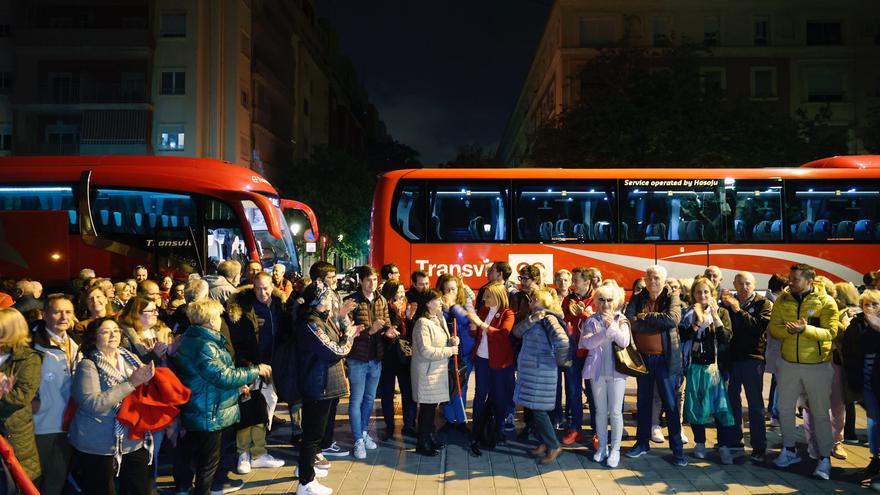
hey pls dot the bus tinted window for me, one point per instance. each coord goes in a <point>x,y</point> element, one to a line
<point>141,212</point>
<point>564,212</point>
<point>216,210</point>
<point>40,198</point>
<point>833,210</point>
<point>409,212</point>
<point>758,215</point>
<point>658,210</point>
<point>471,212</point>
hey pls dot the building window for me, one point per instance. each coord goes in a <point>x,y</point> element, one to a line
<point>762,30</point>
<point>134,86</point>
<point>712,30</point>
<point>171,138</point>
<point>713,80</point>
<point>598,31</point>
<point>172,25</point>
<point>824,33</point>
<point>825,85</point>
<point>134,22</point>
<point>173,83</point>
<point>763,82</point>
<point>5,80</point>
<point>662,35</point>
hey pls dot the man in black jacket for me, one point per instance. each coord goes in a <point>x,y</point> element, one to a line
<point>749,315</point>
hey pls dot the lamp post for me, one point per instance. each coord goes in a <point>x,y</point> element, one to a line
<point>294,229</point>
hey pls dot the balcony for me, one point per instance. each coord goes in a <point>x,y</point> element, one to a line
<point>86,37</point>
<point>62,93</point>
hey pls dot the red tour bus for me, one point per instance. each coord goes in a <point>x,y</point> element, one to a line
<point>111,213</point>
<point>825,213</point>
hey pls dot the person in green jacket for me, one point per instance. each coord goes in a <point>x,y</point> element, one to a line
<point>202,364</point>
<point>805,319</point>
<point>22,364</point>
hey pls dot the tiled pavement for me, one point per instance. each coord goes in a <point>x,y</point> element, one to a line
<point>394,469</point>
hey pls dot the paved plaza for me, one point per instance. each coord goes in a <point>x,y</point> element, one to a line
<point>394,468</point>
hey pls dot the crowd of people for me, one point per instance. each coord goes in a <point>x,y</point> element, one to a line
<point>93,385</point>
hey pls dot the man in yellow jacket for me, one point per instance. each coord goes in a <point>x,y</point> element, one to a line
<point>805,320</point>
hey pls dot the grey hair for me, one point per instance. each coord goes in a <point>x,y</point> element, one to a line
<point>658,270</point>
<point>195,289</point>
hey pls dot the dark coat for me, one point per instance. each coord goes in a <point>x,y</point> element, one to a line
<point>664,321</point>
<point>853,353</point>
<point>750,329</point>
<point>245,330</point>
<point>15,407</point>
<point>323,346</point>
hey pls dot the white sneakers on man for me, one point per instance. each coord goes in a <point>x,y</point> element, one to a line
<point>657,434</point>
<point>244,463</point>
<point>266,461</point>
<point>368,442</point>
<point>360,450</point>
<point>313,488</point>
<point>787,458</point>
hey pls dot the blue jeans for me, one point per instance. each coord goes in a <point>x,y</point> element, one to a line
<point>498,383</point>
<point>773,399</point>
<point>748,374</point>
<point>544,429</point>
<point>454,410</point>
<point>658,374</point>
<point>558,413</point>
<point>364,379</point>
<point>872,407</point>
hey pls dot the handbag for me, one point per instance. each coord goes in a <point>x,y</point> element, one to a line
<point>628,361</point>
<point>404,351</point>
<point>253,409</point>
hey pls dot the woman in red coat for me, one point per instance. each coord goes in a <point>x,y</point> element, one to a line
<point>493,354</point>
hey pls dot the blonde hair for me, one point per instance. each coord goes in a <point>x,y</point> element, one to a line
<point>546,298</point>
<point>847,295</point>
<point>612,290</point>
<point>827,284</point>
<point>13,329</point>
<point>869,296</point>
<point>499,293</point>
<point>201,312</point>
<point>701,280</point>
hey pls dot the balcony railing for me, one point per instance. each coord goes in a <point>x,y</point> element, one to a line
<point>101,92</point>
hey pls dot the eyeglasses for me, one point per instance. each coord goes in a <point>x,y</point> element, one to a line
<point>600,299</point>
<point>523,279</point>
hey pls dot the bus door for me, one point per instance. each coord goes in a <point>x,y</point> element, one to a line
<point>682,260</point>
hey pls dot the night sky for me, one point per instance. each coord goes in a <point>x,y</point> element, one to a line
<point>441,73</point>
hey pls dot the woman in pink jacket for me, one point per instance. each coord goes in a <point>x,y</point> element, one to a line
<point>606,327</point>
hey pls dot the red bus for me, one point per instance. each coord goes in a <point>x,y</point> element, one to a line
<point>111,213</point>
<point>825,213</point>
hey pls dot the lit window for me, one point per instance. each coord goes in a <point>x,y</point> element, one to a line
<point>171,138</point>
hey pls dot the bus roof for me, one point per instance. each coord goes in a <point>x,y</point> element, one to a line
<point>204,176</point>
<point>196,175</point>
<point>868,166</point>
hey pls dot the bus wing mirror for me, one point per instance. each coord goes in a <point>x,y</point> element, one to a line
<point>84,207</point>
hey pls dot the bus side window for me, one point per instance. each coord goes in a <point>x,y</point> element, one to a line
<point>837,211</point>
<point>468,212</point>
<point>126,212</point>
<point>563,211</point>
<point>40,198</point>
<point>758,215</point>
<point>409,212</point>
<point>225,239</point>
<point>677,213</point>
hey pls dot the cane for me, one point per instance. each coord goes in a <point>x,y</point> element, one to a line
<point>457,379</point>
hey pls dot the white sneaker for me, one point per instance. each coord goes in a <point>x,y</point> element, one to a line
<point>600,455</point>
<point>319,473</point>
<point>614,458</point>
<point>700,451</point>
<point>313,488</point>
<point>266,461</point>
<point>823,469</point>
<point>684,438</point>
<point>726,455</point>
<point>368,442</point>
<point>787,458</point>
<point>657,434</point>
<point>321,462</point>
<point>244,463</point>
<point>360,450</point>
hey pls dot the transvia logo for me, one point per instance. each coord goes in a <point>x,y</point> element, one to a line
<point>543,261</point>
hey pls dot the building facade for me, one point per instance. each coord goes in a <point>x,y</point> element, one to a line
<point>802,54</point>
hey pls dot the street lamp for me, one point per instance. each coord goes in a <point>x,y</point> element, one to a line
<point>340,238</point>
<point>294,228</point>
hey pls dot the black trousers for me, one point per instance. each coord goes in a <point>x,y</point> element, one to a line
<point>327,441</point>
<point>315,416</point>
<point>183,462</point>
<point>427,413</point>
<point>204,448</point>
<point>98,476</point>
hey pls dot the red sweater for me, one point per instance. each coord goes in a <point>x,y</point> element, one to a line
<point>574,322</point>
<point>500,349</point>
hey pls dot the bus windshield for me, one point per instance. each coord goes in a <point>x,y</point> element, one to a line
<point>271,250</point>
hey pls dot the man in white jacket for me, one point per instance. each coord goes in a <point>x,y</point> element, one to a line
<point>59,354</point>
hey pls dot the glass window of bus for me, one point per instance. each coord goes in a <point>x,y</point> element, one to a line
<point>272,251</point>
<point>225,238</point>
<point>833,210</point>
<point>682,210</point>
<point>468,212</point>
<point>758,215</point>
<point>119,211</point>
<point>409,212</point>
<point>561,211</point>
<point>40,198</point>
